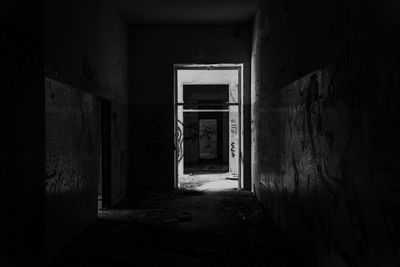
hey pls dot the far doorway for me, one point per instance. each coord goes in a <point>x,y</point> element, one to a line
<point>208,126</point>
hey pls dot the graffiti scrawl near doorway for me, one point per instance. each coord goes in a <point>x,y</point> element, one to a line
<point>179,140</point>
<point>234,128</point>
<point>234,132</point>
<point>233,149</point>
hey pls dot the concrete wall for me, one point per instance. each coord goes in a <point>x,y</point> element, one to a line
<point>152,53</point>
<point>86,58</point>
<point>325,120</point>
<point>191,137</point>
<point>22,131</point>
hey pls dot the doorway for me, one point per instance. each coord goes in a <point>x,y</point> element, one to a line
<point>208,126</point>
<point>104,182</point>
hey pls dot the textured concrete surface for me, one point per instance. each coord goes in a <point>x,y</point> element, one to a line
<point>85,58</point>
<point>185,228</point>
<point>325,127</point>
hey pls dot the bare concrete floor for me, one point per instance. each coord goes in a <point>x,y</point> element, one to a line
<point>184,228</point>
<point>207,181</point>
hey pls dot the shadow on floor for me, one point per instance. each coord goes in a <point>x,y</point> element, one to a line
<point>184,228</point>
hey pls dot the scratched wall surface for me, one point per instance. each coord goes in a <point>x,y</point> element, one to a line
<point>325,146</point>
<point>85,59</point>
<point>71,161</point>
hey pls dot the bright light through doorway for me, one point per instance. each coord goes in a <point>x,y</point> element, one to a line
<point>208,126</point>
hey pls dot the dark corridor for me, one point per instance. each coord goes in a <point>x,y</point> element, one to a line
<point>89,149</point>
<point>184,228</point>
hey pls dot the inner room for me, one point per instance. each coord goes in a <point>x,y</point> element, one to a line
<point>206,131</point>
<point>208,109</point>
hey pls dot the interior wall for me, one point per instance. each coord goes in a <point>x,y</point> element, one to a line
<point>22,154</point>
<point>191,137</point>
<point>153,51</point>
<point>85,59</point>
<point>325,120</point>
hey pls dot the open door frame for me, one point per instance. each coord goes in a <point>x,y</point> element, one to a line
<point>239,68</point>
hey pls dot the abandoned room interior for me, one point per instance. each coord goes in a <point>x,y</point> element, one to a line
<point>200,133</point>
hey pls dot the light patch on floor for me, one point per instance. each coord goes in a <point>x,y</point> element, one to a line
<point>220,185</point>
<point>207,182</point>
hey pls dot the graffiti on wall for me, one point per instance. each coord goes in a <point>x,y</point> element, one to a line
<point>234,143</point>
<point>208,138</point>
<point>336,135</point>
<point>179,141</point>
<point>233,149</point>
<point>234,136</point>
<point>70,145</point>
<point>317,103</point>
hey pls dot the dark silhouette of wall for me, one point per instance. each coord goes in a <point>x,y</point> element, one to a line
<point>325,120</point>
<point>22,133</point>
<point>153,50</point>
<point>85,59</point>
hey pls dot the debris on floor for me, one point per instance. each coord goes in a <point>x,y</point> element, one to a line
<point>184,228</point>
<point>185,216</point>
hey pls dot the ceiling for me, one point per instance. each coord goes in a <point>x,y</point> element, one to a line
<point>153,12</point>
